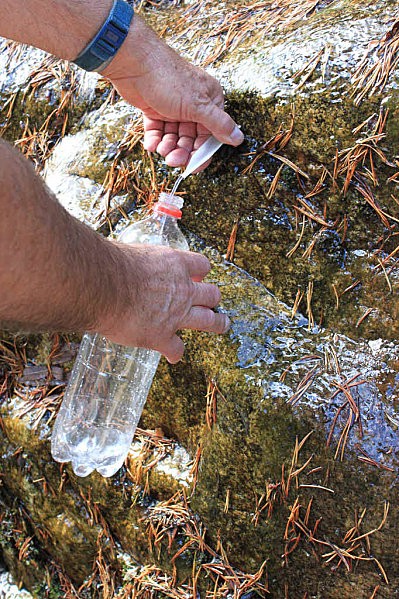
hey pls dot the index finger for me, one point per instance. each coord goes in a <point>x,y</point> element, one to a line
<point>153,132</point>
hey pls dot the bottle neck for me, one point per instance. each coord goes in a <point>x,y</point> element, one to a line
<point>161,208</point>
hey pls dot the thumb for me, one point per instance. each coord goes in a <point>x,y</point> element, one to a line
<point>219,123</point>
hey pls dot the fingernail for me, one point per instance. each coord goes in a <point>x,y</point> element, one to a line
<point>227,324</point>
<point>237,136</point>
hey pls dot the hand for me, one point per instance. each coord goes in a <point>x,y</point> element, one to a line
<point>182,105</point>
<point>162,293</point>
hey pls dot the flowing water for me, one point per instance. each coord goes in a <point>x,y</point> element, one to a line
<point>176,184</point>
<point>240,402</point>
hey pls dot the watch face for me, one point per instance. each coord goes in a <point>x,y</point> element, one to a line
<point>111,37</point>
<point>108,40</point>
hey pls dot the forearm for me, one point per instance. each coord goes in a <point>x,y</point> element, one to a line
<point>61,27</point>
<point>65,27</point>
<point>145,71</point>
<point>55,272</point>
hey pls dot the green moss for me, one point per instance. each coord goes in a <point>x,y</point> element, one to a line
<point>243,452</point>
<point>177,401</point>
<point>43,590</point>
<point>34,114</point>
<point>269,227</point>
<point>250,444</point>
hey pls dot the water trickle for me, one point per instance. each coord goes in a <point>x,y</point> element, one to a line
<point>199,157</point>
<point>176,185</point>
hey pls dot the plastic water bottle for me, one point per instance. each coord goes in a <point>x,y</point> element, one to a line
<point>109,383</point>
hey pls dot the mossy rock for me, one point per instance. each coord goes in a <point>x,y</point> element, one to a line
<point>245,440</point>
<point>239,405</point>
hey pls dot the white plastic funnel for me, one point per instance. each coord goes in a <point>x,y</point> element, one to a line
<point>201,155</point>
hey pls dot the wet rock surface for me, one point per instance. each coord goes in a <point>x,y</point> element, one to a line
<point>267,458</point>
<point>9,590</point>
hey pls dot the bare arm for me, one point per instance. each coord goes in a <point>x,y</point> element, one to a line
<point>182,105</point>
<point>58,274</point>
<point>61,27</point>
<point>48,259</point>
<point>55,273</point>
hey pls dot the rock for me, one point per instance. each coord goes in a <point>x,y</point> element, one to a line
<point>290,420</point>
<point>9,590</point>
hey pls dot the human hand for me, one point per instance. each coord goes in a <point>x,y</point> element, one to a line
<point>162,292</point>
<point>182,105</point>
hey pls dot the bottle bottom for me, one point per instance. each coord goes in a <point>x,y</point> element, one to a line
<point>102,449</point>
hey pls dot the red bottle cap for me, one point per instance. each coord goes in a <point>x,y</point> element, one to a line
<point>166,209</point>
<point>169,204</point>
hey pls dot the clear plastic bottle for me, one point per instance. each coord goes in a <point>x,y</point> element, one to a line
<point>109,383</point>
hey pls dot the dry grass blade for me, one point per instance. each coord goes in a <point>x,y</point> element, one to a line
<point>274,183</point>
<point>366,192</point>
<point>9,105</point>
<point>297,302</point>
<point>173,519</point>
<point>319,185</point>
<point>350,287</point>
<point>376,589</point>
<point>374,70</point>
<point>369,460</point>
<point>346,391</point>
<point>40,401</point>
<point>211,404</point>
<point>289,163</point>
<point>309,312</point>
<point>227,580</point>
<point>276,143</point>
<point>304,385</point>
<point>278,492</point>
<point>380,526</point>
<point>353,413</point>
<point>13,50</point>
<point>195,468</point>
<point>38,140</point>
<point>292,251</point>
<point>232,242</point>
<point>353,548</point>
<point>153,448</point>
<point>303,486</point>
<point>351,544</point>
<point>357,163</point>
<point>385,275</point>
<point>123,173</point>
<point>151,581</point>
<point>309,211</point>
<point>229,26</point>
<point>321,57</point>
<point>364,316</point>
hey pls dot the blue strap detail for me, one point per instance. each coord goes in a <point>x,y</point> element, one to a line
<point>103,47</point>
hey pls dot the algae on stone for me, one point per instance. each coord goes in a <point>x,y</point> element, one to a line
<point>278,375</point>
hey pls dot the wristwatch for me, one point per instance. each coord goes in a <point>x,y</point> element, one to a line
<point>103,47</point>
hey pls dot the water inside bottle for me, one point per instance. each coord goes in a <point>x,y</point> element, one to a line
<point>98,420</point>
<point>102,449</point>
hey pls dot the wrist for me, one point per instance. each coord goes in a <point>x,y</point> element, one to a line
<point>103,47</point>
<point>84,24</point>
<point>60,27</point>
<point>139,53</point>
<point>118,289</point>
